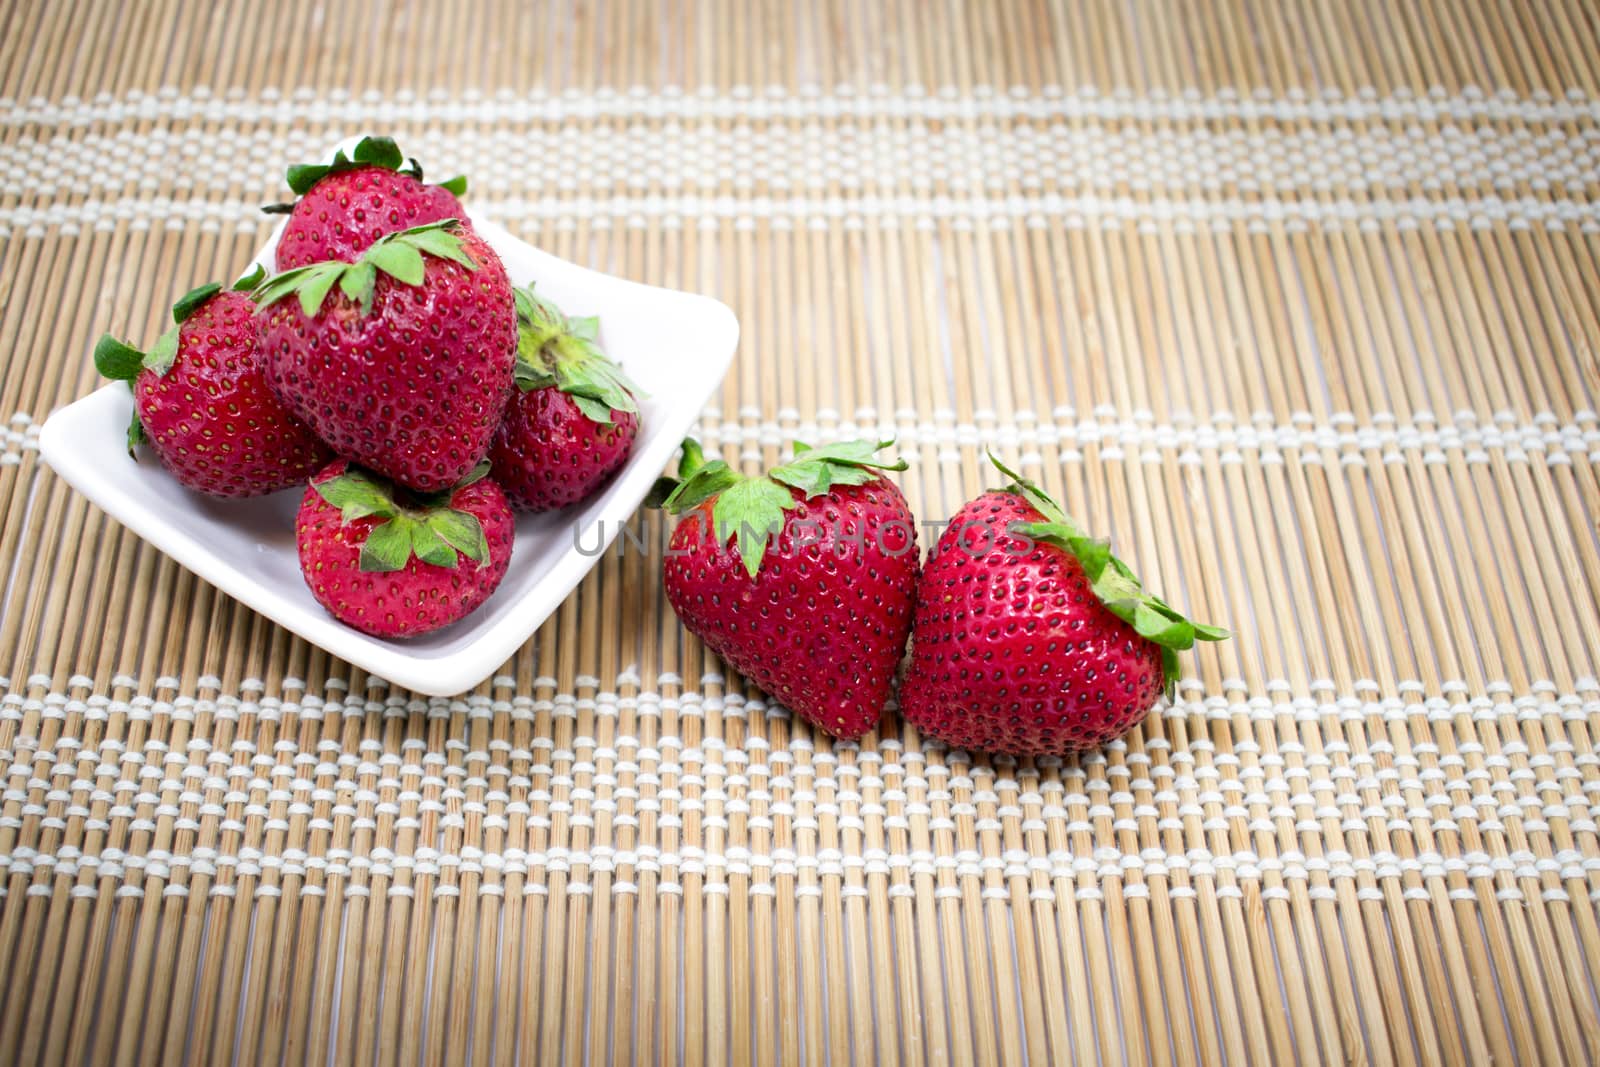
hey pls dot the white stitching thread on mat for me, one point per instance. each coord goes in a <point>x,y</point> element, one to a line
<point>1544,435</point>
<point>636,212</point>
<point>690,147</point>
<point>125,871</point>
<point>1330,784</point>
<point>234,106</point>
<point>21,434</point>
<point>687,159</point>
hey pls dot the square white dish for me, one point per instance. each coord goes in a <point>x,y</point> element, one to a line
<point>677,346</point>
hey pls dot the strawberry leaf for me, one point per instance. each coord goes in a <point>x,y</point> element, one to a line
<point>671,493</point>
<point>190,302</point>
<point>815,471</point>
<point>314,290</point>
<point>706,483</point>
<point>251,280</point>
<point>399,255</point>
<point>1043,502</point>
<point>357,494</point>
<point>691,458</point>
<point>429,547</point>
<point>388,545</point>
<point>117,360</point>
<point>1171,670</point>
<point>523,299</point>
<point>814,479</point>
<point>398,260</point>
<point>856,453</point>
<point>1095,556</point>
<point>444,228</point>
<point>476,474</point>
<point>593,410</point>
<point>302,176</point>
<point>697,481</point>
<point>1176,634</point>
<point>279,286</point>
<point>456,185</point>
<point>461,532</point>
<point>358,284</point>
<point>443,244</point>
<point>529,377</point>
<point>136,434</point>
<point>431,531</point>
<point>555,350</point>
<point>378,152</point>
<point>660,490</point>
<point>163,352</point>
<point>750,512</point>
<point>370,151</point>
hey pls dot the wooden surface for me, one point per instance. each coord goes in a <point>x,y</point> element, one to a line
<point>1297,301</point>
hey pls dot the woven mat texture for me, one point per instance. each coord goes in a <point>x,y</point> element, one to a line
<point>1298,300</point>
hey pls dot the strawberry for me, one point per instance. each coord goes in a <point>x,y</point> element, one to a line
<point>346,205</point>
<point>574,416</point>
<point>402,360</point>
<point>201,400</point>
<point>1031,638</point>
<point>390,563</point>
<point>802,579</point>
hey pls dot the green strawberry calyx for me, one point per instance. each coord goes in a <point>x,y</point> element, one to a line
<point>370,151</point>
<point>399,255</point>
<point>553,350</point>
<point>426,527</point>
<point>121,362</point>
<point>749,510</point>
<point>1113,582</point>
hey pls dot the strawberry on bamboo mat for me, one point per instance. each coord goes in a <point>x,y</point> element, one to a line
<point>1031,638</point>
<point>202,404</point>
<point>802,579</point>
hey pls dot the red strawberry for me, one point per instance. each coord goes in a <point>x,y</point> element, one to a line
<point>389,563</point>
<point>402,360</point>
<point>201,400</point>
<point>574,416</point>
<point>346,205</point>
<point>818,617</point>
<point>1030,637</point>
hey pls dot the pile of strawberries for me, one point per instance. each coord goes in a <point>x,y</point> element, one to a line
<point>392,369</point>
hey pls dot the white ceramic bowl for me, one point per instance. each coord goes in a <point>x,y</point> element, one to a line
<point>676,346</point>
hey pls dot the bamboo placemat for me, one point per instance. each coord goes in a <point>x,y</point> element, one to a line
<point>1297,300</point>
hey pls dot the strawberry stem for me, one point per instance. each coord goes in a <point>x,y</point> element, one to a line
<point>554,350</point>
